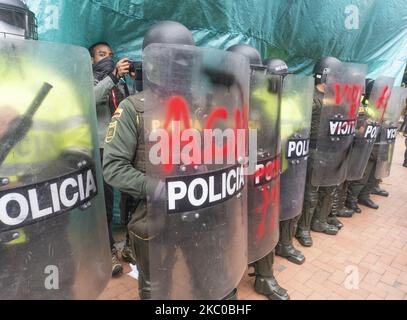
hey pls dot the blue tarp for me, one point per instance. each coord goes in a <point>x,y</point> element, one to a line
<point>300,31</point>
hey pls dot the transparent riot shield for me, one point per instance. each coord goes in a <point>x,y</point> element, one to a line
<point>388,132</point>
<point>196,103</point>
<point>296,112</point>
<point>368,127</point>
<point>53,235</point>
<point>337,124</point>
<point>264,183</point>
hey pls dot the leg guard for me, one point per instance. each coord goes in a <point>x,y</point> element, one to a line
<point>303,233</point>
<point>370,184</point>
<point>265,282</point>
<point>141,253</point>
<point>285,246</point>
<point>332,218</point>
<point>320,219</point>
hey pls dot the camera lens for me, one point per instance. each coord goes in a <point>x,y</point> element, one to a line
<point>132,66</point>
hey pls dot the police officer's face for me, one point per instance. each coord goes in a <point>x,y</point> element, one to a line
<point>101,52</point>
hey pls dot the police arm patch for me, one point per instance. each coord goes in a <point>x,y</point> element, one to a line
<point>118,113</point>
<point>111,131</point>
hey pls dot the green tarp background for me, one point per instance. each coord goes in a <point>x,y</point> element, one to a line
<point>300,31</point>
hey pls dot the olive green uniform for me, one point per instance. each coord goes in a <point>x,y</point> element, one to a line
<point>124,169</point>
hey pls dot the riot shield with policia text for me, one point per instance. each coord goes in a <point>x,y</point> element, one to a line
<point>264,183</point>
<point>196,103</point>
<point>296,112</point>
<point>52,213</point>
<point>337,124</point>
<point>388,131</point>
<point>368,126</point>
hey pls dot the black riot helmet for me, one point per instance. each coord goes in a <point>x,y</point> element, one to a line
<point>276,66</point>
<point>249,52</point>
<point>169,32</point>
<point>16,20</point>
<point>325,66</point>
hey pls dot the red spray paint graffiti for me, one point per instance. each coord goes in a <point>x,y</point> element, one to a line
<point>177,109</point>
<point>349,94</point>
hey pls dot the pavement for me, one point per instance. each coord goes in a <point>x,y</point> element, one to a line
<point>366,260</point>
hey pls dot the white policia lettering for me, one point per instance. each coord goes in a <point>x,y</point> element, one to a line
<point>265,172</point>
<point>297,148</point>
<point>342,127</point>
<point>231,181</point>
<point>391,133</point>
<point>61,199</point>
<point>371,132</point>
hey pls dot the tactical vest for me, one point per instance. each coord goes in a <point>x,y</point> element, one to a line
<point>139,161</point>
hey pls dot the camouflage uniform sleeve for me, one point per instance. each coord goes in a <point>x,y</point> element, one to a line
<point>120,148</point>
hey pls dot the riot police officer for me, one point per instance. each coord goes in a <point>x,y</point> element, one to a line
<point>296,110</point>
<point>318,200</point>
<point>265,95</point>
<point>359,190</point>
<point>125,168</point>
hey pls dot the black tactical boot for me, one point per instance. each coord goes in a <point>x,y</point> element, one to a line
<point>303,233</point>
<point>334,221</point>
<point>144,285</point>
<point>304,237</point>
<point>345,213</point>
<point>338,208</point>
<point>380,192</point>
<point>368,203</point>
<point>269,287</point>
<point>330,203</point>
<point>265,282</point>
<point>353,206</point>
<point>285,246</point>
<point>141,251</point>
<point>290,253</point>
<point>319,226</point>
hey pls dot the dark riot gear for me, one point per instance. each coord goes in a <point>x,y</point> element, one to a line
<point>16,20</point>
<point>170,32</point>
<point>325,66</point>
<point>368,89</point>
<point>276,66</point>
<point>249,52</point>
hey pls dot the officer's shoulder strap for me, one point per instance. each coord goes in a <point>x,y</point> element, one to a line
<point>137,100</point>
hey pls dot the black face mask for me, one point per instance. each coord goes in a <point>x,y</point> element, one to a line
<point>103,68</point>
